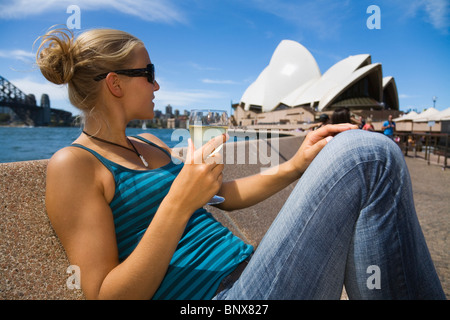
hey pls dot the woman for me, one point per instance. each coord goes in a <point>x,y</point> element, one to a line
<point>133,221</point>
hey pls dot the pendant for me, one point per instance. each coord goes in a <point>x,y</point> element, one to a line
<point>143,161</point>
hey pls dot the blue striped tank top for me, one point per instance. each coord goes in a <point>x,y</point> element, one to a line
<point>207,251</point>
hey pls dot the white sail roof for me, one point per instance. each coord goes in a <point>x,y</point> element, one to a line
<point>293,78</point>
<point>330,80</point>
<point>291,66</point>
<point>346,82</point>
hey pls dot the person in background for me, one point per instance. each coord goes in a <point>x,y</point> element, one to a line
<point>389,128</point>
<point>362,122</point>
<point>323,120</point>
<point>341,115</point>
<point>368,126</point>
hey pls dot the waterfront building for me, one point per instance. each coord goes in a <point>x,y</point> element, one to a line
<point>292,83</point>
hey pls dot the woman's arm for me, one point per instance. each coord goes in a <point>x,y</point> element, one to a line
<point>80,214</point>
<point>77,200</point>
<point>248,191</point>
<point>245,192</point>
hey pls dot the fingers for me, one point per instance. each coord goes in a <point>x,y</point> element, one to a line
<point>204,174</point>
<point>331,130</point>
<point>214,143</point>
<point>337,128</point>
<point>217,171</point>
<point>214,158</point>
<point>208,153</point>
<point>201,155</point>
<point>190,152</point>
<point>315,148</point>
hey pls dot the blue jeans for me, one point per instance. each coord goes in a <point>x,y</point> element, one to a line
<point>350,220</point>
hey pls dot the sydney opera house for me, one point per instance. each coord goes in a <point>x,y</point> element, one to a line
<point>291,90</point>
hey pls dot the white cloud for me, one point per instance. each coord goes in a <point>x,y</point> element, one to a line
<point>187,98</point>
<point>30,86</point>
<point>18,54</point>
<point>437,12</point>
<point>59,98</point>
<point>408,96</point>
<point>211,81</point>
<point>322,17</point>
<point>148,10</point>
<point>202,68</point>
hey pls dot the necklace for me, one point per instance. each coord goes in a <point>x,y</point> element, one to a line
<point>118,145</point>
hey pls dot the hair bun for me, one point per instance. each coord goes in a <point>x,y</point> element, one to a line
<point>55,56</point>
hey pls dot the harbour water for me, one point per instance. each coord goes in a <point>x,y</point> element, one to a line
<point>36,143</point>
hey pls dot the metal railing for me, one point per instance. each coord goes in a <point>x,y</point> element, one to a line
<point>426,145</point>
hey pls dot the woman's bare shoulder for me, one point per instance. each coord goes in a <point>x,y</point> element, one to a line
<point>154,139</point>
<point>71,160</point>
<point>73,171</point>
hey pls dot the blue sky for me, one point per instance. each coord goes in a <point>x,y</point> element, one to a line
<point>207,52</point>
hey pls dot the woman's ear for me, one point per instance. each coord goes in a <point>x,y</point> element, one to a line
<point>114,85</point>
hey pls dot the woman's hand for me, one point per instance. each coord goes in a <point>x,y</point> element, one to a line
<point>314,142</point>
<point>201,177</point>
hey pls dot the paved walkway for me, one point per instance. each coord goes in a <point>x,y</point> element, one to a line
<point>431,187</point>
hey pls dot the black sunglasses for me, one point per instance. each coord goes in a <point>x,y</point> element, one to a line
<point>148,72</point>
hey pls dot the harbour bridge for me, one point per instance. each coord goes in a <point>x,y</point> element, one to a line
<point>25,107</point>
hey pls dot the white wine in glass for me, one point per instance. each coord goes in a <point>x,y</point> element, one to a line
<point>204,125</point>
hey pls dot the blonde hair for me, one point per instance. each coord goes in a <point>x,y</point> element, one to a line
<point>63,59</point>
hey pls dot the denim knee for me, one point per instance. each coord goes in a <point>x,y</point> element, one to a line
<point>366,144</point>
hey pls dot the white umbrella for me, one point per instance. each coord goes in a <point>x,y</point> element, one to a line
<point>425,116</point>
<point>406,117</point>
<point>440,116</point>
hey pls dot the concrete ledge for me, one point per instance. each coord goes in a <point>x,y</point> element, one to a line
<point>33,264</point>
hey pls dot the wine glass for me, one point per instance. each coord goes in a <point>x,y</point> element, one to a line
<point>205,124</point>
